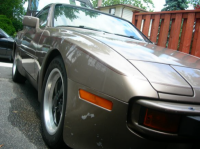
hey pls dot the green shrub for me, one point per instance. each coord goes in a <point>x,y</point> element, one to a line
<point>6,25</point>
<point>17,24</point>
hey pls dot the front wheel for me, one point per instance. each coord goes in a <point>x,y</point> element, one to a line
<point>53,104</point>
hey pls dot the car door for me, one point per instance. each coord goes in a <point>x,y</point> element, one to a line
<point>30,43</point>
<point>44,17</point>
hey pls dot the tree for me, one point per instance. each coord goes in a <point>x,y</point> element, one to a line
<point>14,11</point>
<point>144,4</point>
<point>6,25</point>
<point>175,5</point>
<point>72,13</point>
<point>195,3</point>
<point>197,6</point>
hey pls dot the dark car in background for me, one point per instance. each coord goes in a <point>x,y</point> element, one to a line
<point>6,45</point>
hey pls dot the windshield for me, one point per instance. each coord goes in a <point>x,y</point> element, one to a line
<point>83,3</point>
<point>79,17</point>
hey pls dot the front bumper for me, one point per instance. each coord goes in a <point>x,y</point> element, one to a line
<point>87,126</point>
<point>188,123</point>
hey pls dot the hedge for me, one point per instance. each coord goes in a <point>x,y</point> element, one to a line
<point>6,25</point>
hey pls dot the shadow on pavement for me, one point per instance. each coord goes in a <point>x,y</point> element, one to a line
<point>5,60</point>
<point>24,110</point>
<point>25,113</point>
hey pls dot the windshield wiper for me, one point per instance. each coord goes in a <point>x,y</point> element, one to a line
<point>133,37</point>
<point>94,29</point>
<point>80,26</point>
<point>90,28</point>
<point>85,27</point>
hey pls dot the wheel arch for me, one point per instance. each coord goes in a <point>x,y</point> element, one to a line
<point>51,54</point>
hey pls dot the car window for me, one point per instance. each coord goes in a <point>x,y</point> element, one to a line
<point>43,17</point>
<point>66,15</point>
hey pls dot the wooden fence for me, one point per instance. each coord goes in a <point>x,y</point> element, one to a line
<point>178,30</point>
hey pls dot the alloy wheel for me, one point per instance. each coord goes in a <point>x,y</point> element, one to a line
<point>53,101</point>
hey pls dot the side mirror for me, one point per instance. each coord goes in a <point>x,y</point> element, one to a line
<point>31,21</point>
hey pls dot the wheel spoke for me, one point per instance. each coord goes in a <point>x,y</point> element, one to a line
<point>55,115</point>
<point>60,91</point>
<point>58,117</point>
<point>60,105</point>
<point>54,102</point>
<point>56,88</point>
<point>57,101</point>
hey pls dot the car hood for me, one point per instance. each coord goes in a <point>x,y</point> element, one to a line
<point>163,68</point>
<point>137,50</point>
<point>132,49</point>
<point>168,71</point>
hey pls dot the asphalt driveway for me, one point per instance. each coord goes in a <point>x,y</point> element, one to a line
<point>19,113</point>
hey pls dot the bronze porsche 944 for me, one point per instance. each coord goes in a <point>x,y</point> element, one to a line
<point>103,84</point>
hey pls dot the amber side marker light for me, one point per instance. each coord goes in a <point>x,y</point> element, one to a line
<point>96,100</point>
<point>166,122</point>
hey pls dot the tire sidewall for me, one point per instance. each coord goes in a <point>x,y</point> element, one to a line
<point>55,140</point>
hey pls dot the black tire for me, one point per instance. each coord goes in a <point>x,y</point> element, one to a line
<point>54,138</point>
<point>16,76</point>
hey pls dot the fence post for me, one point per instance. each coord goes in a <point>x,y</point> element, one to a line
<point>145,29</point>
<point>154,29</point>
<point>164,29</point>
<point>133,19</point>
<point>175,32</point>
<point>196,40</point>
<point>187,31</point>
<point>139,22</point>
